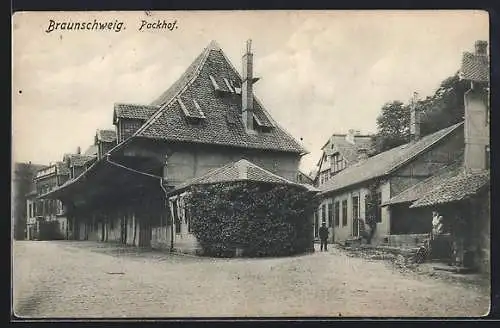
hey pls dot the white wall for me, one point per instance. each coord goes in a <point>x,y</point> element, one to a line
<point>344,232</point>
<point>476,130</point>
<point>384,227</point>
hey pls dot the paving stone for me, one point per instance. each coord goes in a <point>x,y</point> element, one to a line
<point>71,279</point>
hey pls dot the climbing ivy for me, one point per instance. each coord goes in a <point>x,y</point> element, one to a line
<point>372,203</point>
<point>259,219</point>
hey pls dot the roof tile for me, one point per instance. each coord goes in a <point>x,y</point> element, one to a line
<point>455,188</point>
<point>106,135</point>
<point>384,163</point>
<point>134,111</point>
<point>222,124</point>
<point>414,192</point>
<point>79,160</point>
<point>475,67</point>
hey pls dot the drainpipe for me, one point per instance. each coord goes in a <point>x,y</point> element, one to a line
<point>166,200</point>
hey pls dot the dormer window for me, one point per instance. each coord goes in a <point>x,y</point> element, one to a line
<point>192,110</point>
<point>224,86</point>
<point>262,125</point>
<point>229,86</point>
<point>236,88</point>
<point>215,84</point>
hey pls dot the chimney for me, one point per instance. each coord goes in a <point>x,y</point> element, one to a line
<point>414,118</point>
<point>481,47</point>
<point>78,150</point>
<point>350,136</point>
<point>247,89</point>
<point>477,124</point>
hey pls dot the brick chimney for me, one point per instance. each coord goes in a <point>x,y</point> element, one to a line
<point>414,119</point>
<point>481,47</point>
<point>78,150</point>
<point>247,89</point>
<point>476,125</point>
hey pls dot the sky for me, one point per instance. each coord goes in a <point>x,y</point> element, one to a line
<point>321,72</point>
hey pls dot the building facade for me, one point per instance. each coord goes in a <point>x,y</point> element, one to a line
<point>206,119</point>
<point>381,177</point>
<point>47,210</point>
<point>22,186</point>
<point>463,198</point>
<point>341,151</point>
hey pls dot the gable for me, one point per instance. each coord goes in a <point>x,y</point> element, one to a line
<point>217,111</point>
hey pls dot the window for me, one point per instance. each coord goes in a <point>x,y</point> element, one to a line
<point>330,215</point>
<point>30,209</point>
<point>338,163</point>
<point>355,215</point>
<point>323,213</point>
<point>337,213</point>
<point>344,212</point>
<point>376,212</point>
<point>355,207</point>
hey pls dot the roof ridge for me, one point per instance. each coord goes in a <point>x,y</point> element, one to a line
<point>442,172</point>
<point>163,107</point>
<point>445,132</point>
<point>449,129</point>
<point>135,104</point>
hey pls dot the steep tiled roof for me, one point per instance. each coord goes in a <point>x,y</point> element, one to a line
<point>222,124</point>
<point>242,170</point>
<point>106,135</point>
<point>475,67</point>
<point>455,188</point>
<point>62,168</point>
<point>79,160</point>
<point>386,162</point>
<point>414,192</point>
<point>133,111</point>
<point>349,150</point>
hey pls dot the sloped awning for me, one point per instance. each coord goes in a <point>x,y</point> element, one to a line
<point>455,188</point>
<point>104,180</point>
<point>416,191</point>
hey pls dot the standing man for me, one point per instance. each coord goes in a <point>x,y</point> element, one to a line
<point>323,236</point>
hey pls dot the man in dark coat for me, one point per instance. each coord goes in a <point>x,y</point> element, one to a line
<point>323,236</point>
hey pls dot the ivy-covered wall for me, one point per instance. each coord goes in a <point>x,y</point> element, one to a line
<point>251,218</point>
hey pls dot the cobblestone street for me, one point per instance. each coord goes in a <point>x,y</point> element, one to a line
<point>87,279</point>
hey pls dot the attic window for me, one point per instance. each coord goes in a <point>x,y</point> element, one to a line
<point>229,86</point>
<point>236,88</point>
<point>263,126</point>
<point>192,110</point>
<point>214,84</point>
<point>198,108</point>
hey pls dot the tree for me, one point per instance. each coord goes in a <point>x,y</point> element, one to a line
<point>444,108</point>
<point>393,126</point>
